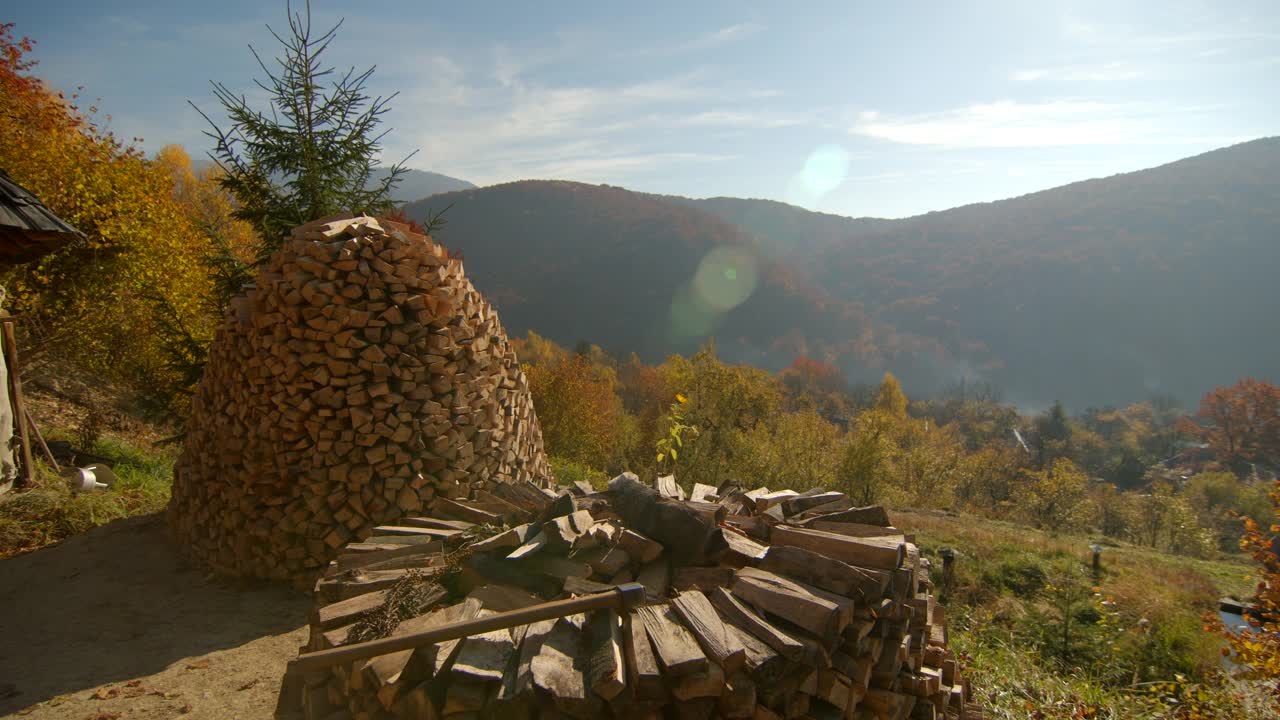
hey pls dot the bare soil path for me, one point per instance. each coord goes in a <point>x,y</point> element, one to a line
<point>113,624</point>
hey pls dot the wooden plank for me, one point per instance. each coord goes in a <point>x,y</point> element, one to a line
<point>878,553</point>
<point>765,666</point>
<point>854,529</point>
<point>643,675</point>
<point>464,511</point>
<point>606,669</point>
<point>518,681</point>
<point>503,598</point>
<point>823,572</point>
<point>605,560</point>
<point>738,614</point>
<point>797,505</point>
<point>701,618</point>
<point>871,515</point>
<point>425,554</point>
<point>656,579</point>
<point>740,550</point>
<point>438,523</point>
<point>673,644</point>
<point>346,611</point>
<point>383,672</point>
<point>669,488</point>
<point>639,547</point>
<point>701,493</point>
<point>531,545</point>
<point>382,530</point>
<point>706,579</point>
<point>768,500</point>
<point>739,698</point>
<point>706,683</point>
<point>793,602</point>
<point>442,654</point>
<point>557,669</point>
<point>582,586</point>
<point>511,538</point>
<point>484,657</point>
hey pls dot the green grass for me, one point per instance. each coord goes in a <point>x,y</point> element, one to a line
<point>49,512</point>
<point>1150,658</point>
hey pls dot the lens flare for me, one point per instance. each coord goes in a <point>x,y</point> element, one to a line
<point>824,170</point>
<point>726,277</point>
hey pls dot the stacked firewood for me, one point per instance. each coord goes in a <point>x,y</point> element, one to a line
<point>759,604</point>
<point>359,378</point>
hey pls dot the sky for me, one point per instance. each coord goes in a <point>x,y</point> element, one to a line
<point>855,108</point>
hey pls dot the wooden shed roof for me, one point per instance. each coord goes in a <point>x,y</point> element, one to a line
<point>28,229</point>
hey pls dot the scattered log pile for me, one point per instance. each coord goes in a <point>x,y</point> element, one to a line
<point>359,379</point>
<point>758,604</point>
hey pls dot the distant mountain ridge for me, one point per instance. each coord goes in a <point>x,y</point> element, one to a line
<point>419,184</point>
<point>1098,292</point>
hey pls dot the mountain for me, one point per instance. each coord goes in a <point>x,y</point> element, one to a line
<point>787,231</point>
<point>1099,292</point>
<point>635,272</point>
<point>419,184</point>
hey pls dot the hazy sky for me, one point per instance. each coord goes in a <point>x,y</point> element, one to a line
<point>857,108</point>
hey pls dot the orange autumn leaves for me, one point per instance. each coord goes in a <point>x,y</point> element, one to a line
<point>146,223</point>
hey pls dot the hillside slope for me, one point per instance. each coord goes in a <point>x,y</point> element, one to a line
<point>1099,292</point>
<point>617,268</point>
<point>419,184</point>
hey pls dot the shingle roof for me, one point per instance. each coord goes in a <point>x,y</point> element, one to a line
<point>28,229</point>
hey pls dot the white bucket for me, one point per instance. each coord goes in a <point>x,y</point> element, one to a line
<point>95,477</point>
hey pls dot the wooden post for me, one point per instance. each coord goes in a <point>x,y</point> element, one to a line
<point>18,407</point>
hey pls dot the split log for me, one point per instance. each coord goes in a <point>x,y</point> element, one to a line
<point>687,535</point>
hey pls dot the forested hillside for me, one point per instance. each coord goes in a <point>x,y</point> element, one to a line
<point>621,269</point>
<point>1096,293</point>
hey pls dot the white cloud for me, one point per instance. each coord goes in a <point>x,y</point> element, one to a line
<point>1009,124</point>
<point>706,41</point>
<point>737,119</point>
<point>1105,72</point>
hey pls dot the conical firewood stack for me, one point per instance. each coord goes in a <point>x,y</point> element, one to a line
<point>359,379</point>
<point>757,605</point>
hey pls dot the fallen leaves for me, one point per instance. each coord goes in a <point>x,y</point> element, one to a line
<point>198,665</point>
<point>249,684</point>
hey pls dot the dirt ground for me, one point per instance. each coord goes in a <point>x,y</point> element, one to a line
<point>113,624</point>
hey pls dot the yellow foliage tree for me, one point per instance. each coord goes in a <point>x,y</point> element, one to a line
<point>90,300</point>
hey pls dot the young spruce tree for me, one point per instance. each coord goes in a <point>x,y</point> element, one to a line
<point>311,152</point>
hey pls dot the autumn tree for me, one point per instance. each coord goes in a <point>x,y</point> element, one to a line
<point>797,450</point>
<point>890,399</point>
<point>817,382</point>
<point>861,472</point>
<point>725,402</point>
<point>312,151</point>
<point>1257,647</point>
<point>87,300</point>
<point>579,412</point>
<point>1054,498</point>
<point>1053,434</point>
<point>1241,422</point>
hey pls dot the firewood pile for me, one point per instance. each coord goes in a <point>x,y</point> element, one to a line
<point>757,604</point>
<point>360,378</point>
